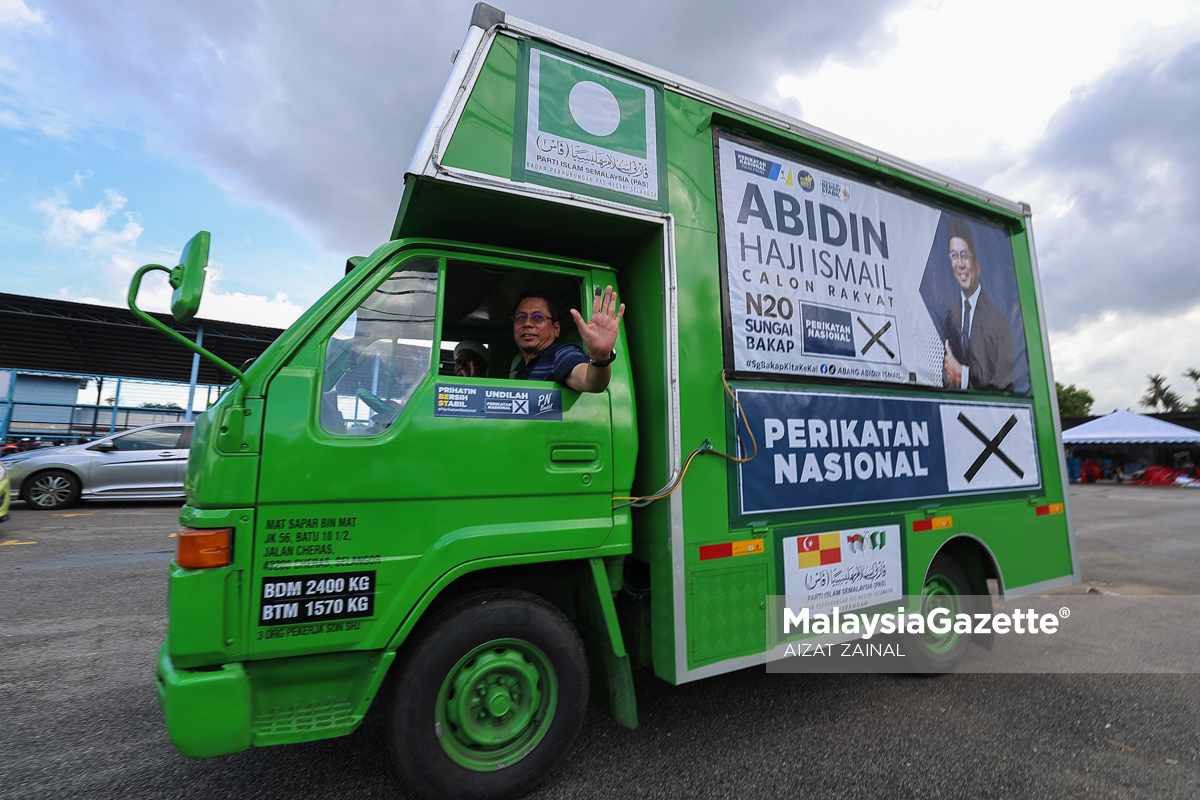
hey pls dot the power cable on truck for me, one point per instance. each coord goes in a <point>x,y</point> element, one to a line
<point>705,447</point>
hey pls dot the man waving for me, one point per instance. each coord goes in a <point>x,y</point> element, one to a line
<point>536,328</point>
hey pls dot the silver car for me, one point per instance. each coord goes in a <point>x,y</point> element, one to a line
<point>140,464</point>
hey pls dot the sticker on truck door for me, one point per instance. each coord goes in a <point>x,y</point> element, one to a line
<point>496,402</point>
<point>316,598</point>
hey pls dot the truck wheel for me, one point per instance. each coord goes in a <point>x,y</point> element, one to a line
<point>946,586</point>
<point>51,490</point>
<point>490,697</point>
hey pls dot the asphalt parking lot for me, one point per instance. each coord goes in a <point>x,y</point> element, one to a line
<point>82,613</point>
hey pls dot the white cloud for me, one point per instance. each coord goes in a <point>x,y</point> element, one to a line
<point>1112,355</point>
<point>965,78</point>
<point>15,14</point>
<point>115,252</point>
<point>277,311</point>
<point>88,228</point>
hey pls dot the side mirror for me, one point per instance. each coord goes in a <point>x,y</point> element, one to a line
<point>187,279</point>
<point>104,447</point>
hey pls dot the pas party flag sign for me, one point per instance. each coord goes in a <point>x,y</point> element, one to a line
<point>851,568</point>
<point>601,111</point>
<point>590,127</point>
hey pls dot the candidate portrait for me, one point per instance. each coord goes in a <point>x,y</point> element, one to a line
<point>978,343</point>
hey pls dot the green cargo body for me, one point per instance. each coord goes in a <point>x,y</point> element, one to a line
<point>426,506</point>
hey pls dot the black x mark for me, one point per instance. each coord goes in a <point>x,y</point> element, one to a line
<point>875,337</point>
<point>993,446</point>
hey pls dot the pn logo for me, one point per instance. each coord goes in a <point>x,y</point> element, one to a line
<point>747,162</point>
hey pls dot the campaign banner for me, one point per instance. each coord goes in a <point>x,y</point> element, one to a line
<point>834,277</point>
<point>493,402</point>
<point>819,449</point>
<point>851,568</point>
<point>589,127</point>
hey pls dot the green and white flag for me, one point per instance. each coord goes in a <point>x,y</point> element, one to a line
<point>590,127</point>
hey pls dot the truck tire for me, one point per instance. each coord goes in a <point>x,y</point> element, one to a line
<point>946,586</point>
<point>489,698</point>
<point>50,490</point>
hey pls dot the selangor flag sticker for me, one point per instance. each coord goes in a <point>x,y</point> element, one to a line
<point>819,550</point>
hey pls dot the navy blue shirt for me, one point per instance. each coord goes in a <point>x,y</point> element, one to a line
<point>552,364</point>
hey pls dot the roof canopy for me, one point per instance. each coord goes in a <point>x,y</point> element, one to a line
<point>1125,427</point>
<point>59,336</point>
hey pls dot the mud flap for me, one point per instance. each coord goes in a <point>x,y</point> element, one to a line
<point>612,676</point>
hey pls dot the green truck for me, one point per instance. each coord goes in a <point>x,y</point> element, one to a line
<point>832,381</point>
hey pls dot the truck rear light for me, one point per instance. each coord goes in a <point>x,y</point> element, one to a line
<point>202,549</point>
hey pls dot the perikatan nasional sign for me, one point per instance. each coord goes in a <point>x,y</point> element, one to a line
<point>819,449</point>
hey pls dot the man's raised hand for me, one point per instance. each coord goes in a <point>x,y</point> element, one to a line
<point>599,334</point>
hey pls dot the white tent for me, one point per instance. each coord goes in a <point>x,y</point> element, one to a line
<point>1124,427</point>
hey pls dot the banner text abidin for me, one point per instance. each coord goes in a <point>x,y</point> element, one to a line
<point>834,277</point>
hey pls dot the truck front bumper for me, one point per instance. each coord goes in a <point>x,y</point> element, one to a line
<point>208,711</point>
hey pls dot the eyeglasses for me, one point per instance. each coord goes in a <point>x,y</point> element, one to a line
<point>537,318</point>
<point>960,256</point>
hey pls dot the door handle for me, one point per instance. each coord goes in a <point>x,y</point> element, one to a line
<point>166,454</point>
<point>574,454</point>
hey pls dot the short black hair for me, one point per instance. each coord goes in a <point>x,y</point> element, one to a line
<point>957,227</point>
<point>551,302</point>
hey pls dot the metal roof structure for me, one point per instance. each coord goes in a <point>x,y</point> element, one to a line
<point>1125,427</point>
<point>38,334</point>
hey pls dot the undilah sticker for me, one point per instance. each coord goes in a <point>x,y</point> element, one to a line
<point>492,402</point>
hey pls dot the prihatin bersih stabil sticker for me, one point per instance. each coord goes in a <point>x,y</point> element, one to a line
<point>494,402</point>
<point>591,127</point>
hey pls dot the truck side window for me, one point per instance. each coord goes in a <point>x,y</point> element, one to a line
<point>478,306</point>
<point>375,360</point>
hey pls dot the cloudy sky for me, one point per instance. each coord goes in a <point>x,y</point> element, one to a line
<point>284,127</point>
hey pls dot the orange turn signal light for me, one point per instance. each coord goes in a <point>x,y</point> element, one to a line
<point>202,549</point>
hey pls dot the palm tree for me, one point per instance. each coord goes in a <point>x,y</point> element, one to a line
<point>1193,375</point>
<point>1160,394</point>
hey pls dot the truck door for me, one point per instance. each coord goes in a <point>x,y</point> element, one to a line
<point>371,479</point>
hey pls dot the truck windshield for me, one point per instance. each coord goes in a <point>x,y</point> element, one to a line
<point>375,360</point>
